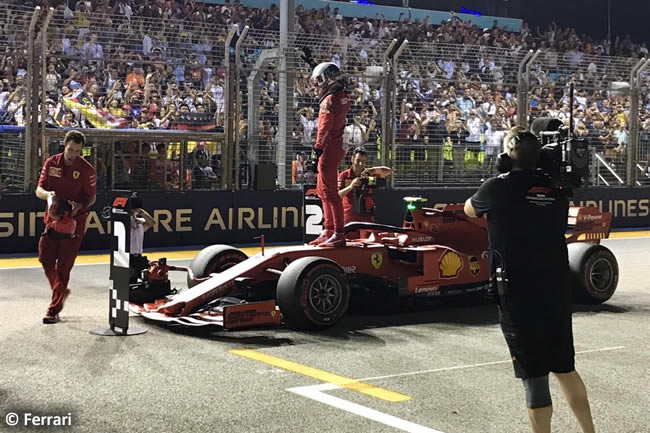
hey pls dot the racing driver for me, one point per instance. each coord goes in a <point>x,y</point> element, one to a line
<point>334,107</point>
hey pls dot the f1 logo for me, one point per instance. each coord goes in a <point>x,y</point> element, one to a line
<point>120,202</point>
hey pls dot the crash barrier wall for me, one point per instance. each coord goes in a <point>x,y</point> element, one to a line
<point>107,72</point>
<point>209,217</point>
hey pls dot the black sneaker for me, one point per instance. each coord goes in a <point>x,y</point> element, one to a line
<point>50,319</point>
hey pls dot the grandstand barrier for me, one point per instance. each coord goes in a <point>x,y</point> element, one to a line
<point>199,218</point>
<point>362,10</point>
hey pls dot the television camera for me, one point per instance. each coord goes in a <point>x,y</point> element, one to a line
<point>362,200</point>
<point>563,158</point>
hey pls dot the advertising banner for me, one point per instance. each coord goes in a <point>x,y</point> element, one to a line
<point>200,218</point>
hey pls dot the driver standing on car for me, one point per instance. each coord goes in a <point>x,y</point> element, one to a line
<point>527,220</point>
<point>332,117</point>
<point>351,180</point>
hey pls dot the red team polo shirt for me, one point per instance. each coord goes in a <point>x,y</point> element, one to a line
<point>345,178</point>
<point>76,182</point>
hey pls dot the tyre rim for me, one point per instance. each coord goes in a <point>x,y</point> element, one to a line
<point>601,275</point>
<point>325,294</point>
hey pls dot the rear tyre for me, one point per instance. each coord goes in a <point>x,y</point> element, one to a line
<point>594,272</point>
<point>213,260</point>
<point>312,293</point>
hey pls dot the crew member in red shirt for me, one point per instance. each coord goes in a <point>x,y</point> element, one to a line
<point>334,107</point>
<point>351,179</point>
<point>66,178</point>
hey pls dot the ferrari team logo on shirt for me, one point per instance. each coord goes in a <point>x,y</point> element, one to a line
<point>377,260</point>
<point>76,174</point>
<point>55,172</point>
<point>450,265</point>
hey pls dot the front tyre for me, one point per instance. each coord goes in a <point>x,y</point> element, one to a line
<point>594,272</point>
<point>312,293</point>
<point>213,260</point>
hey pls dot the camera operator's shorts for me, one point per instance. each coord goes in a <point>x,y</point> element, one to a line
<point>540,341</point>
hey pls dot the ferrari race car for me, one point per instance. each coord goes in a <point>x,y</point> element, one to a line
<point>435,253</point>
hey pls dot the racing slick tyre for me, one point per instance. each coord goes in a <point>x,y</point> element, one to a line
<point>212,260</point>
<point>312,293</point>
<point>594,272</point>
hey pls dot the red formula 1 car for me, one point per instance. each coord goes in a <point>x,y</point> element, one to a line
<point>434,253</point>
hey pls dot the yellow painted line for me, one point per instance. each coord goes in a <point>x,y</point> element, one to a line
<point>620,235</point>
<point>98,259</point>
<point>322,375</point>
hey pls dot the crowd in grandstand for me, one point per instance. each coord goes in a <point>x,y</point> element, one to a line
<point>156,64</point>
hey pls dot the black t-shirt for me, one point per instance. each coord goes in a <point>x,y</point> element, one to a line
<point>527,220</point>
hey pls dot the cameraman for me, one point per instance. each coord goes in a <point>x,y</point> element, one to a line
<point>350,181</point>
<point>527,219</point>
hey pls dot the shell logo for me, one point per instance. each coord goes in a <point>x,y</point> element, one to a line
<point>450,265</point>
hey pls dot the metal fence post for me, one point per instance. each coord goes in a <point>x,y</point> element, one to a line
<point>30,108</point>
<point>229,96</point>
<point>238,109</point>
<point>44,28</point>
<point>388,87</point>
<point>286,83</point>
<point>522,88</point>
<point>391,149</point>
<point>633,143</point>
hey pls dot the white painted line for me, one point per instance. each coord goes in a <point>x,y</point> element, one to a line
<point>315,392</point>
<point>459,367</point>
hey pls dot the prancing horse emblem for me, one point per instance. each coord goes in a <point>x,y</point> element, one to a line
<point>377,260</point>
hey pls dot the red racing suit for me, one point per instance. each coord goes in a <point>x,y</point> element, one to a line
<point>332,118</point>
<point>76,182</point>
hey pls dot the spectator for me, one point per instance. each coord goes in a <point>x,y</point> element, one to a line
<point>92,50</point>
<point>308,122</point>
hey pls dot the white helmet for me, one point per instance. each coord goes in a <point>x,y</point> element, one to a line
<point>325,75</point>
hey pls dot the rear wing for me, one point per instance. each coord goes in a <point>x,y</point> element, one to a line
<point>588,224</point>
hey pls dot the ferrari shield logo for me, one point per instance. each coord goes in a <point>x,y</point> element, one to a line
<point>450,265</point>
<point>76,174</point>
<point>377,259</point>
<point>474,265</point>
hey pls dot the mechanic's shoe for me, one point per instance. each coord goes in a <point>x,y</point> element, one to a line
<point>324,235</point>
<point>51,318</point>
<point>336,240</point>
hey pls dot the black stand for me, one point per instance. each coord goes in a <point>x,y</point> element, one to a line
<point>118,310</point>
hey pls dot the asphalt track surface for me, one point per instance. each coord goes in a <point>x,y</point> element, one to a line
<point>434,367</point>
